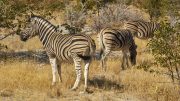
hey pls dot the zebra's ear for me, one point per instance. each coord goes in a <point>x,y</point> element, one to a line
<point>32,14</point>
<point>136,46</point>
<point>57,28</point>
<point>29,16</point>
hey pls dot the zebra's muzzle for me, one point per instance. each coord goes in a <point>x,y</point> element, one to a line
<point>133,60</point>
<point>133,63</point>
<point>24,37</point>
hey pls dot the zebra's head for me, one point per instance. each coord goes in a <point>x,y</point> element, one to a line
<point>157,26</point>
<point>133,54</point>
<point>30,30</point>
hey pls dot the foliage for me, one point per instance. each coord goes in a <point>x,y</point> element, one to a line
<point>11,10</point>
<point>145,65</point>
<point>165,47</point>
<point>75,17</point>
<point>114,15</point>
<point>155,8</point>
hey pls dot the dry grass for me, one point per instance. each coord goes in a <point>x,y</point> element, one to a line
<point>27,80</point>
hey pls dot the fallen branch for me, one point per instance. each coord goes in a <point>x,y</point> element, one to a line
<point>4,36</point>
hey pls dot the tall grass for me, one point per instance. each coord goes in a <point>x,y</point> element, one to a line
<point>29,76</point>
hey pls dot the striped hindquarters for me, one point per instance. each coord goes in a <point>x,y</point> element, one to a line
<point>142,29</point>
<point>114,39</point>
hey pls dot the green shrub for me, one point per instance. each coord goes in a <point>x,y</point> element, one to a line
<point>165,47</point>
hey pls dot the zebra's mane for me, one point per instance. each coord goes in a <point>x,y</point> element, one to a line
<point>39,17</point>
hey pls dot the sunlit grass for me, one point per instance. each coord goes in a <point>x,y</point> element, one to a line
<point>36,77</point>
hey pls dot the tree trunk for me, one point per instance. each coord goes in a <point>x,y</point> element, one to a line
<point>177,72</point>
<point>171,71</point>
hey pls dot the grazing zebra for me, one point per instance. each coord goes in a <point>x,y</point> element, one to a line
<point>142,29</point>
<point>61,48</point>
<point>114,39</point>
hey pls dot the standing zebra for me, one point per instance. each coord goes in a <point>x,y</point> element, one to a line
<point>61,48</point>
<point>114,39</point>
<point>142,29</point>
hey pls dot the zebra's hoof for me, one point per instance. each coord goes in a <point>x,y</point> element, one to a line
<point>83,92</point>
<point>73,89</point>
<point>86,91</point>
<point>60,80</point>
<point>53,83</point>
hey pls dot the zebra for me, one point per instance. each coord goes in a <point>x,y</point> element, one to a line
<point>141,29</point>
<point>117,39</point>
<point>61,48</point>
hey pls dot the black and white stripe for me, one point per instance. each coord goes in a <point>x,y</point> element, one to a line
<point>142,29</point>
<point>60,47</point>
<point>113,40</point>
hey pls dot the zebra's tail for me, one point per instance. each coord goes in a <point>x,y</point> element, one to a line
<point>99,55</point>
<point>91,51</point>
<point>85,57</point>
<point>93,48</point>
<point>101,45</point>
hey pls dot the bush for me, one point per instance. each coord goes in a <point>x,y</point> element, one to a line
<point>11,10</point>
<point>114,15</point>
<point>165,47</point>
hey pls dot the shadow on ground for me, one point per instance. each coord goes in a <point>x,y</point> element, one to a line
<point>101,82</point>
<point>38,56</point>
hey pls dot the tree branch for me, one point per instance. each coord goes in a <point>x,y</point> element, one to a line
<point>5,36</point>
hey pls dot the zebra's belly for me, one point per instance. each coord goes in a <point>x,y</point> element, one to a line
<point>144,36</point>
<point>118,48</point>
<point>68,59</point>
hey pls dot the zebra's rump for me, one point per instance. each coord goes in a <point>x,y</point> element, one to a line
<point>114,39</point>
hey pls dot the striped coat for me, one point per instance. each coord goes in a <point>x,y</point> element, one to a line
<point>68,48</point>
<point>115,39</point>
<point>142,29</point>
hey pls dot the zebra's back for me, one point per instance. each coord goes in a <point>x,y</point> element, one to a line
<point>142,29</point>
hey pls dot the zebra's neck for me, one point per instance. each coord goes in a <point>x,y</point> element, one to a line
<point>45,30</point>
<point>154,27</point>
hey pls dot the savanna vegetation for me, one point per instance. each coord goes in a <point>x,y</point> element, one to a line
<point>155,77</point>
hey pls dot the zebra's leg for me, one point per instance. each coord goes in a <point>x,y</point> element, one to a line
<point>59,71</point>
<point>53,62</point>
<point>77,62</point>
<point>123,60</point>
<point>127,61</point>
<point>104,59</point>
<point>86,72</point>
<point>102,62</point>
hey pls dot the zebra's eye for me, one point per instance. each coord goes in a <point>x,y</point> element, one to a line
<point>66,27</point>
<point>135,46</point>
